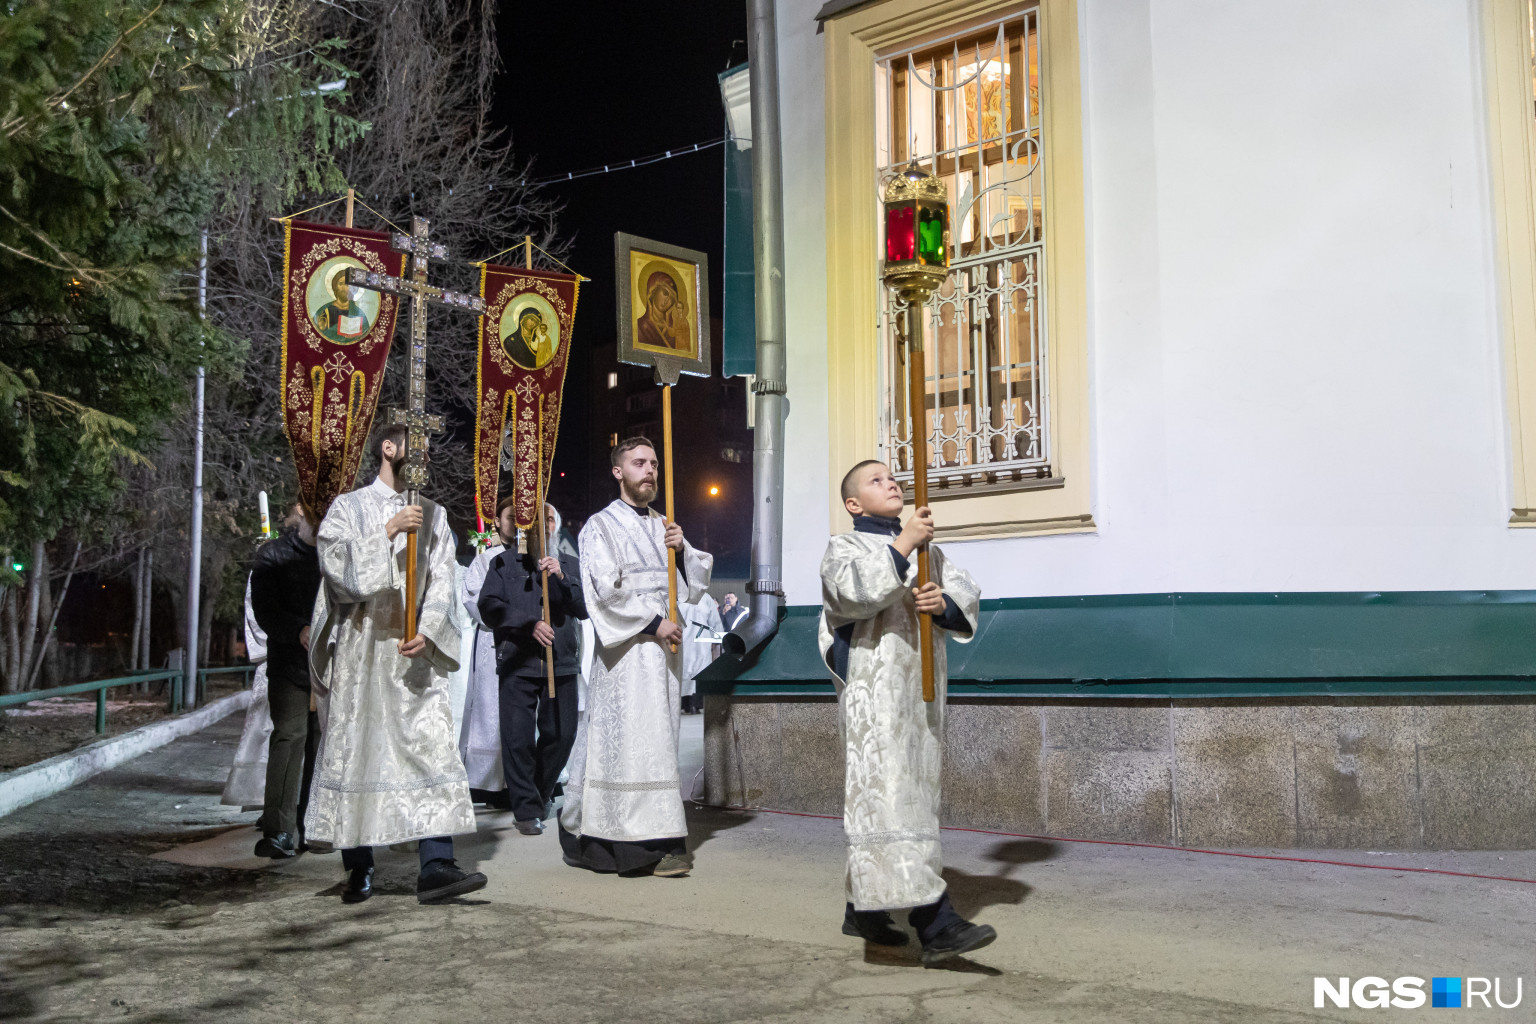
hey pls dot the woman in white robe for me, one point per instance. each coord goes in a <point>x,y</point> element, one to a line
<point>480,736</point>
<point>246,786</point>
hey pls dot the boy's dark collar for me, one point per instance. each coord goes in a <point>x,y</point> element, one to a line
<point>888,526</point>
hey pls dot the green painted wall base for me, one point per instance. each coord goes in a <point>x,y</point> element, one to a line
<point>1161,646</point>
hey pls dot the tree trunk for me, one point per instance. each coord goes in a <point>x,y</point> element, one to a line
<point>138,613</point>
<point>149,603</point>
<point>54,618</point>
<point>8,622</point>
<point>46,671</point>
<point>37,580</point>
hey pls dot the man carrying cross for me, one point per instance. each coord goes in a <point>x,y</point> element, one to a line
<point>388,768</point>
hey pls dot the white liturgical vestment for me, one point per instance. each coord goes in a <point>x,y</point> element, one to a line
<point>891,736</point>
<point>388,768</point>
<point>623,770</point>
<point>247,782</point>
<point>480,735</point>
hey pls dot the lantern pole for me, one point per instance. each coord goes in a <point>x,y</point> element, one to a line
<point>917,415</point>
<point>916,263</point>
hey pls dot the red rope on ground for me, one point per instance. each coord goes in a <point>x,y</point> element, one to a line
<point>1176,849</point>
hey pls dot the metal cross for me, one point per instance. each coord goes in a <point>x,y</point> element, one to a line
<point>414,415</point>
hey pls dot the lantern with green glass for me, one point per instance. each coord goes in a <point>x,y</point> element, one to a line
<point>916,264</point>
<point>916,234</point>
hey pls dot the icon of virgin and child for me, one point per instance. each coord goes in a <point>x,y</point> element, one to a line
<point>664,323</point>
<point>530,337</point>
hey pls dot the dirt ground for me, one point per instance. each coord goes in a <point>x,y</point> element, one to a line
<point>134,897</point>
<point>46,728</point>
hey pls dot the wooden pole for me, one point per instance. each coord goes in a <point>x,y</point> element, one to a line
<point>917,411</point>
<point>527,252</point>
<point>666,455</point>
<point>351,194</point>
<point>543,528</point>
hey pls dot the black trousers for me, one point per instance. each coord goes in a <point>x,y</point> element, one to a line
<point>428,851</point>
<point>295,730</point>
<point>532,766</point>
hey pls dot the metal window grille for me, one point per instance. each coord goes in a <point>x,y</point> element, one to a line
<point>969,109</point>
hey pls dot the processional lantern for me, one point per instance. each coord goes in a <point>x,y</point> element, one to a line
<point>916,264</point>
<point>916,234</point>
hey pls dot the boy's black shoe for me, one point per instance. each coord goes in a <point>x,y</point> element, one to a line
<point>873,926</point>
<point>957,939</point>
<point>444,879</point>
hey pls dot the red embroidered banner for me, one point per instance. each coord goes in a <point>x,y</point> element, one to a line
<point>525,338</point>
<point>335,343</point>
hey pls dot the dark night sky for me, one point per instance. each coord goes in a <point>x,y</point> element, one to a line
<point>588,84</point>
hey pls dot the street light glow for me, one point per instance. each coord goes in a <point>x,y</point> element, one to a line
<point>714,492</point>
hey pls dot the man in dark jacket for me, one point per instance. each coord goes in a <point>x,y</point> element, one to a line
<point>284,582</point>
<point>511,604</point>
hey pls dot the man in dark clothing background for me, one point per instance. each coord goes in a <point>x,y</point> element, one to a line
<point>511,604</point>
<point>284,582</point>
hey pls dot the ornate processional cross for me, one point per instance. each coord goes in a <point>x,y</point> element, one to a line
<point>414,416</point>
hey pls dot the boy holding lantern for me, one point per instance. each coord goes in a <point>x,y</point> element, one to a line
<point>869,638</point>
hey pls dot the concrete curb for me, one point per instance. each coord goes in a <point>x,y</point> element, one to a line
<point>36,781</point>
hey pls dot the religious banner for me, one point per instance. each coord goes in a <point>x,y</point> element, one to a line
<point>525,339</point>
<point>336,340</point>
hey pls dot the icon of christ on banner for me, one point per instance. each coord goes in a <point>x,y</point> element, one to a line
<point>524,347</point>
<point>336,339</point>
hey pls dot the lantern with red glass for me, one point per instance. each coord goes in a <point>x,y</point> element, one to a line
<point>916,234</point>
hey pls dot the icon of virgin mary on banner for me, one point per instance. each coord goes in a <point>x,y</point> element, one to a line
<point>335,343</point>
<point>525,339</point>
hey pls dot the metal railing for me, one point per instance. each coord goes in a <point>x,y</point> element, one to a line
<point>101,686</point>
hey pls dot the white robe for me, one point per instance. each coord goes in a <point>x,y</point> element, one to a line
<point>623,770</point>
<point>892,739</point>
<point>480,736</point>
<point>247,783</point>
<point>699,618</point>
<point>388,769</point>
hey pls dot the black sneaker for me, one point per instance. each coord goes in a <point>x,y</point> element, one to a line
<point>873,926</point>
<point>957,939</point>
<point>277,846</point>
<point>444,880</point>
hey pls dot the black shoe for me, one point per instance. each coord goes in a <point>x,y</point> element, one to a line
<point>278,845</point>
<point>359,885</point>
<point>531,827</point>
<point>444,880</point>
<point>959,938</point>
<point>873,926</point>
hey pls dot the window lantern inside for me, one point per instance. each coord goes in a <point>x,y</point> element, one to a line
<point>900,234</point>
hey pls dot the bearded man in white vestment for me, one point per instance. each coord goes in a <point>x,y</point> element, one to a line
<point>388,768</point>
<point>623,808</point>
<point>869,638</point>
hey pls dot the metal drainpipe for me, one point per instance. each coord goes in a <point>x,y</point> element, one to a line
<point>766,586</point>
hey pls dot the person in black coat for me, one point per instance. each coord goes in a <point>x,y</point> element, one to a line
<point>511,605</point>
<point>284,581</point>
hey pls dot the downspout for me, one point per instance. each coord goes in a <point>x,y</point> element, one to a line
<point>766,587</point>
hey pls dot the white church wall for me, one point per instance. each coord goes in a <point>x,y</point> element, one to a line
<point>1296,370</point>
